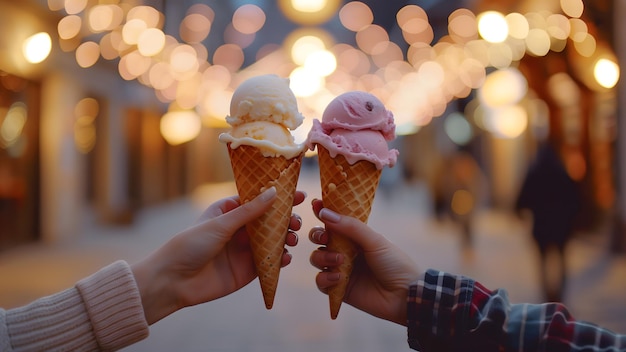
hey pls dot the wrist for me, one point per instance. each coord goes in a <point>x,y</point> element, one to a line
<point>157,298</point>
<point>400,311</point>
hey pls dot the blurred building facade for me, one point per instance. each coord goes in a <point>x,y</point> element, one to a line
<point>90,128</point>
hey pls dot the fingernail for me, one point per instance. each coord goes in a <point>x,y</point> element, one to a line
<point>317,236</point>
<point>299,219</point>
<point>334,276</point>
<point>329,215</point>
<point>334,258</point>
<point>268,194</point>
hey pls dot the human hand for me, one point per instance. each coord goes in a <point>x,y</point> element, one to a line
<point>208,260</point>
<point>382,272</point>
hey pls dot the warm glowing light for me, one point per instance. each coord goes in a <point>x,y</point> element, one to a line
<point>73,7</point>
<point>161,76</point>
<point>579,29</point>
<point>563,90</point>
<point>37,47</point>
<point>132,30</point>
<point>230,56</point>
<point>538,42</point>
<point>587,46</point>
<point>105,17</point>
<point>606,73</point>
<point>85,113</point>
<point>184,61</point>
<point>107,50</point>
<point>573,8</point>
<point>304,46</point>
<point>413,21</point>
<point>179,127</point>
<point>559,26</point>
<point>507,122</point>
<point>308,5</point>
<point>248,19</point>
<point>493,27</point>
<point>369,38</point>
<point>194,28</point>
<point>56,5</point>
<point>135,64</point>
<point>462,25</point>
<point>431,74</point>
<point>69,27</point>
<point>216,105</point>
<point>151,42</point>
<point>87,54</point>
<point>233,36</point>
<point>354,61</point>
<point>518,25</point>
<point>13,124</point>
<point>321,63</point>
<point>355,16</point>
<point>148,14</point>
<point>304,83</point>
<point>503,87</point>
<point>309,12</point>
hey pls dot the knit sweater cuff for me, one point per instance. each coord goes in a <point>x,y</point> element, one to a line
<point>103,312</point>
<point>114,307</point>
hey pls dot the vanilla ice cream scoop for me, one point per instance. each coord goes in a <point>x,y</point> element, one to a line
<point>263,110</point>
<point>265,98</point>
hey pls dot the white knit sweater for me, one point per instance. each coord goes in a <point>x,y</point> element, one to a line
<point>103,312</point>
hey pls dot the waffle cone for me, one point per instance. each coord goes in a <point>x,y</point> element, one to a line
<point>348,190</point>
<point>255,173</point>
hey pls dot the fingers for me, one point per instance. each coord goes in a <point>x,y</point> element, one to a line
<point>326,279</point>
<point>292,238</point>
<point>236,218</point>
<point>295,223</point>
<point>317,205</point>
<point>357,231</point>
<point>322,259</point>
<point>299,197</point>
<point>318,235</point>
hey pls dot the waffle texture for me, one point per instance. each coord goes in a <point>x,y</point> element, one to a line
<point>255,173</point>
<point>348,190</point>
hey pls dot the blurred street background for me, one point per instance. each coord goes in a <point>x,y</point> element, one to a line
<point>503,256</point>
<point>507,112</point>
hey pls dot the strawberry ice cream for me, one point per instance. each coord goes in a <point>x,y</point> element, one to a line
<point>358,126</point>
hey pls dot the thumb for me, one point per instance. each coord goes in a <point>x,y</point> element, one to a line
<point>353,229</point>
<point>235,219</point>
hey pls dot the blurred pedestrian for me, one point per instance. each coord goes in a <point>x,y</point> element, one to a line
<point>459,191</point>
<point>553,199</point>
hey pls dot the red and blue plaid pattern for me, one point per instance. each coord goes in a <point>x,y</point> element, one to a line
<point>455,313</point>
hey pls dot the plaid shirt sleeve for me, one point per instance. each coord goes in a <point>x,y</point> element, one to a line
<point>455,313</point>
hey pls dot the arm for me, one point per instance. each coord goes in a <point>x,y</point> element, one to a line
<point>102,312</point>
<point>450,313</point>
<point>113,308</point>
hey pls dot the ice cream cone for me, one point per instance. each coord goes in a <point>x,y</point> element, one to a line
<point>348,190</point>
<point>255,173</point>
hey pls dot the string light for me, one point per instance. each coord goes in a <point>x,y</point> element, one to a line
<point>186,73</point>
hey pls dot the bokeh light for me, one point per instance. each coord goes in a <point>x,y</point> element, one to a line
<point>493,27</point>
<point>606,73</point>
<point>37,47</point>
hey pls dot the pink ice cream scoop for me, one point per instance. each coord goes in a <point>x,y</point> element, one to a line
<point>358,126</point>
